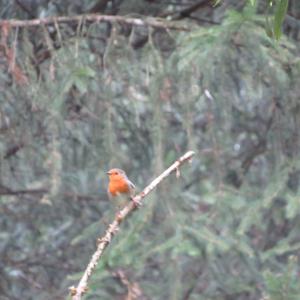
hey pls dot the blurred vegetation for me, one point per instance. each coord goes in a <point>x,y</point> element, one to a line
<point>77,100</point>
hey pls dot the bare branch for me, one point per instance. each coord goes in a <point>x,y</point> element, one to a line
<point>6,191</point>
<point>25,8</point>
<point>95,18</point>
<point>113,227</point>
<point>187,11</point>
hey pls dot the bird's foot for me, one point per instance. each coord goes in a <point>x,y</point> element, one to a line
<point>137,203</point>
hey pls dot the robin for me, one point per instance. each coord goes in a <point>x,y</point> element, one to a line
<point>119,185</point>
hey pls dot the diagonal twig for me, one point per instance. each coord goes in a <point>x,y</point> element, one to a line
<point>103,242</point>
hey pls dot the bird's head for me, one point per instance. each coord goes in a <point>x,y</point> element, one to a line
<point>116,174</point>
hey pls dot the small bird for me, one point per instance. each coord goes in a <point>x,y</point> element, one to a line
<point>119,185</point>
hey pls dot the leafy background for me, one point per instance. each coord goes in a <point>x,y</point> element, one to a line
<point>78,100</point>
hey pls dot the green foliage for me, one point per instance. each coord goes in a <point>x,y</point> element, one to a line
<point>278,15</point>
<point>284,285</point>
<point>280,12</point>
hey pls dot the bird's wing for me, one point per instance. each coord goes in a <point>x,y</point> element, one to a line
<point>131,187</point>
<point>131,184</point>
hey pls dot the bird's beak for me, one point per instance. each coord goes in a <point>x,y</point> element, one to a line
<point>108,173</point>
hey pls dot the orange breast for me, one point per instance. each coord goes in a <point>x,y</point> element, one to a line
<point>118,187</point>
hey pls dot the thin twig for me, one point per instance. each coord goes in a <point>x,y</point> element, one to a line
<point>103,242</point>
<point>133,288</point>
<point>95,18</point>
